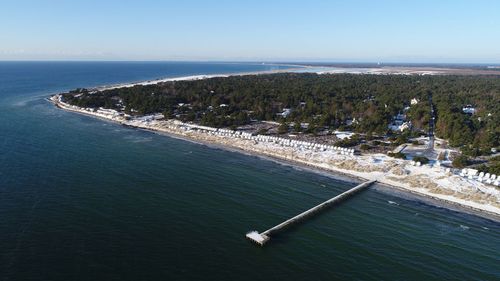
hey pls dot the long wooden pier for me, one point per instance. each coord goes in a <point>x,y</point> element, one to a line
<point>262,238</point>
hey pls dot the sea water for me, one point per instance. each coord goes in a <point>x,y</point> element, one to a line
<point>86,199</point>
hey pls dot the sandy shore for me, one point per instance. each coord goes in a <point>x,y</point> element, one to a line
<point>434,182</point>
<point>292,68</point>
<point>314,69</point>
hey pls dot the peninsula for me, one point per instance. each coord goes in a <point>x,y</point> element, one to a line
<point>429,133</point>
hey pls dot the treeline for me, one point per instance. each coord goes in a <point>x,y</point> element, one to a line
<point>363,103</point>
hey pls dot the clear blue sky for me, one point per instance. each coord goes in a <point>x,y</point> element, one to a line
<point>359,30</point>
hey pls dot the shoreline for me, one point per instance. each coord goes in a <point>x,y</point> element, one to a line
<point>323,172</point>
<point>393,190</point>
<point>406,194</point>
<point>308,159</point>
<point>290,68</point>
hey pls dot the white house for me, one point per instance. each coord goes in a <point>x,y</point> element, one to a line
<point>286,112</point>
<point>469,109</point>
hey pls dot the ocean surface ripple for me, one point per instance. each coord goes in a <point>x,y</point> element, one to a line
<point>85,199</point>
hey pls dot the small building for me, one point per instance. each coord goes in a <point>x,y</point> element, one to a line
<point>399,123</point>
<point>285,112</point>
<point>468,109</point>
<point>350,122</point>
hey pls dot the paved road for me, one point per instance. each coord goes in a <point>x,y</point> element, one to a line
<point>430,133</point>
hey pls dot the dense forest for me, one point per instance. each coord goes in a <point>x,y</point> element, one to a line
<point>363,103</point>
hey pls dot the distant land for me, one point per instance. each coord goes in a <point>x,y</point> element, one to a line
<point>441,68</point>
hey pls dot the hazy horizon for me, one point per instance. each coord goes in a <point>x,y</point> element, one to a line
<point>359,31</point>
<point>268,62</point>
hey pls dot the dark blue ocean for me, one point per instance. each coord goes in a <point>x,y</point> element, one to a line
<point>85,199</point>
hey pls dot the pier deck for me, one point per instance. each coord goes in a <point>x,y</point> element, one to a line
<point>262,238</point>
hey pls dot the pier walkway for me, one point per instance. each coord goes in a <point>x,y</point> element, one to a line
<point>262,238</point>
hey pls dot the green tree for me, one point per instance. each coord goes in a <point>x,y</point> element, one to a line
<point>460,162</point>
<point>283,128</point>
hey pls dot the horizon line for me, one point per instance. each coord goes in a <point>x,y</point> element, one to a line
<point>264,61</point>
